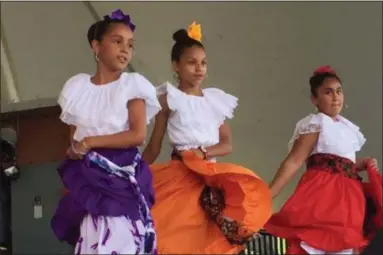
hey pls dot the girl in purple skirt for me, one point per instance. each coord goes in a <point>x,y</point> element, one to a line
<point>107,207</point>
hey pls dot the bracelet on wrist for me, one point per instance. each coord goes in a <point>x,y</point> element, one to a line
<point>85,144</point>
<point>204,152</point>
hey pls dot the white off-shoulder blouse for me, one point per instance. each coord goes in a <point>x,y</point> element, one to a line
<point>195,120</point>
<point>338,137</point>
<point>102,109</point>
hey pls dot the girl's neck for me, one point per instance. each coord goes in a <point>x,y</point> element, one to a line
<point>103,76</point>
<point>190,89</point>
<point>334,118</point>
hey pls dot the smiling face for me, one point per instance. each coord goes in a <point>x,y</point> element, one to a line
<point>115,50</point>
<point>192,66</point>
<point>329,97</point>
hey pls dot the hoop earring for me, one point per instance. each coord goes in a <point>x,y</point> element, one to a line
<point>96,57</point>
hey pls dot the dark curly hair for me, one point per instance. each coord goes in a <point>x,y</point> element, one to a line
<point>182,42</point>
<point>97,30</point>
<point>319,76</point>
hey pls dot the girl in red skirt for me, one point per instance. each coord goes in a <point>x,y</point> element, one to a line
<point>326,213</point>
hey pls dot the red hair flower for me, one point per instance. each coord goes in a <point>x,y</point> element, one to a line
<point>324,69</point>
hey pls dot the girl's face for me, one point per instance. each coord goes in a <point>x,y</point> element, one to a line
<point>192,67</point>
<point>329,98</point>
<point>116,48</point>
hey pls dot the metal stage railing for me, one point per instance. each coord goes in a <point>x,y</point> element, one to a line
<point>266,244</point>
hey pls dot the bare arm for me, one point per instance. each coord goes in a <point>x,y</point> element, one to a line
<point>70,152</point>
<point>153,148</point>
<point>224,147</point>
<point>301,150</point>
<point>362,163</point>
<point>135,136</point>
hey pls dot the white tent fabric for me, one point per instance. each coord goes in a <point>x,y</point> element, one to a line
<point>42,45</point>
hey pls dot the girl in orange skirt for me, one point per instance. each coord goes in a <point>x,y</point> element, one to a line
<point>326,213</point>
<point>202,207</point>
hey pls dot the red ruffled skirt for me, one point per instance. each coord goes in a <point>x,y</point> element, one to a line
<point>328,208</point>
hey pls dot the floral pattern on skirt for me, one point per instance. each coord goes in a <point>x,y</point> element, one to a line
<point>118,235</point>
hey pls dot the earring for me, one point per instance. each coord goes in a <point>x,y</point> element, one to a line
<point>175,76</point>
<point>96,57</point>
<point>316,109</point>
<point>346,106</point>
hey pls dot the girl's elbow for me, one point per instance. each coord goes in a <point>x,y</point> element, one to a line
<point>229,148</point>
<point>139,138</point>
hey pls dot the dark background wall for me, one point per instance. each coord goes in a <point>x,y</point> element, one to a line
<point>42,142</point>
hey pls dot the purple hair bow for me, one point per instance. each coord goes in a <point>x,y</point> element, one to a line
<point>119,15</point>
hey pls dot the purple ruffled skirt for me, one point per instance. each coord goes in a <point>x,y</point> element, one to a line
<point>102,213</point>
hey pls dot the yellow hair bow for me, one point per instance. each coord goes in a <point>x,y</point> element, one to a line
<point>194,31</point>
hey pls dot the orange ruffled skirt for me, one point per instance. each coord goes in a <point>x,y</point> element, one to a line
<point>181,220</point>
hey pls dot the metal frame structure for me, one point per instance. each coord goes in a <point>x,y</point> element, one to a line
<point>266,244</point>
<point>10,77</point>
<point>8,71</point>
